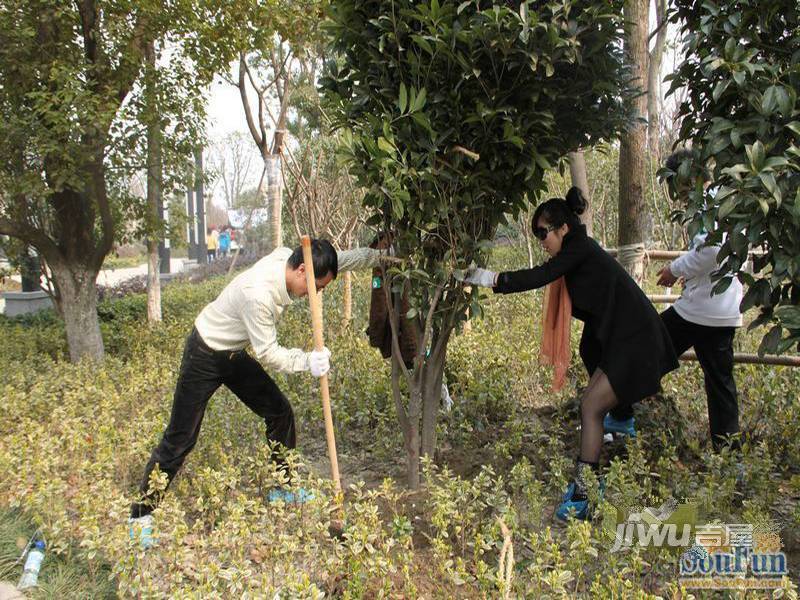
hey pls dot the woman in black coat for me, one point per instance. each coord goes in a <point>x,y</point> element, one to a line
<point>625,347</point>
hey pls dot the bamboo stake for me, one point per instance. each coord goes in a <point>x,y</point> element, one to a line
<point>319,344</point>
<point>673,254</point>
<point>663,298</point>
<point>753,359</point>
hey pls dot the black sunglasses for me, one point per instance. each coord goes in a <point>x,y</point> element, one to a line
<point>541,232</point>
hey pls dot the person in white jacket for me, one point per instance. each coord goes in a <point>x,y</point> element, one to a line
<point>244,314</point>
<point>704,321</point>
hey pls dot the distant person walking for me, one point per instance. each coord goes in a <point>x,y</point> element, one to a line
<point>212,243</point>
<point>224,241</point>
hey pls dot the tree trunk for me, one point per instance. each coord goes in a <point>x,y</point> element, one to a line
<point>77,302</point>
<point>200,207</point>
<point>529,248</point>
<point>425,380</point>
<point>632,182</point>
<point>527,235</point>
<point>153,203</point>
<point>431,399</point>
<point>577,172</point>
<point>76,258</point>
<point>412,433</point>
<point>412,455</point>
<point>410,429</point>
<point>432,395</point>
<point>275,199</point>
<point>654,82</point>
<point>412,449</point>
<point>153,283</point>
<point>347,308</point>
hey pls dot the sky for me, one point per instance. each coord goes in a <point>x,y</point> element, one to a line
<point>225,116</point>
<point>225,112</point>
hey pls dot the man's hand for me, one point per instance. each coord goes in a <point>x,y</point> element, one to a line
<point>476,276</point>
<point>319,362</point>
<point>666,278</point>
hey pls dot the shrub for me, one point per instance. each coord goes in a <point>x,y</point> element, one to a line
<point>74,440</point>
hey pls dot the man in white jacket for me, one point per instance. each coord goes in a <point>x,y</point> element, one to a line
<point>704,321</point>
<point>245,313</point>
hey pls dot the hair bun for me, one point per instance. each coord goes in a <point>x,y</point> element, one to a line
<point>575,200</point>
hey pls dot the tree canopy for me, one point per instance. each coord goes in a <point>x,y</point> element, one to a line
<point>71,132</point>
<point>75,105</point>
<point>455,111</point>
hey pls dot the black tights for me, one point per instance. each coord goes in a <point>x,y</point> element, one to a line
<point>597,400</point>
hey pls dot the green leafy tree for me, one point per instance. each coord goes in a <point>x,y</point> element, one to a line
<point>742,118</point>
<point>75,109</point>
<point>633,222</point>
<point>69,138</point>
<point>451,114</point>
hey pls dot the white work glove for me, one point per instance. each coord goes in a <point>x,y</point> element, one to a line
<point>319,362</point>
<point>479,277</point>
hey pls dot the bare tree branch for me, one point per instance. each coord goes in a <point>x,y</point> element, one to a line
<point>32,235</point>
<point>257,138</point>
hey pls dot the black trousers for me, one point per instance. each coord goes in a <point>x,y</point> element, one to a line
<point>714,348</point>
<point>202,372</point>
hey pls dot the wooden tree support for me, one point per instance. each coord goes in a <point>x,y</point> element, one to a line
<point>672,254</point>
<point>753,359</point>
<point>662,298</point>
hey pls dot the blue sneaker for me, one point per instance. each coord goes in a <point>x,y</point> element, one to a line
<point>626,427</point>
<point>141,530</point>
<point>279,495</point>
<point>570,490</point>
<point>301,496</point>
<point>569,508</point>
<point>575,509</point>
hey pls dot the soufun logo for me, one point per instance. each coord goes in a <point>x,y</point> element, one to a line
<point>717,556</point>
<point>734,556</point>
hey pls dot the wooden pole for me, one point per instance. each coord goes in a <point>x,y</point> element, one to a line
<point>753,359</point>
<point>319,344</point>
<point>663,298</point>
<point>673,254</point>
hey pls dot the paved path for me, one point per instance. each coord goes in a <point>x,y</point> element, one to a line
<point>111,277</point>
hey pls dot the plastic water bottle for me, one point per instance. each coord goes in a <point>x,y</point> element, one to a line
<point>30,574</point>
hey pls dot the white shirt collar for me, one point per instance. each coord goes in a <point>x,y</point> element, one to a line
<point>284,298</point>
